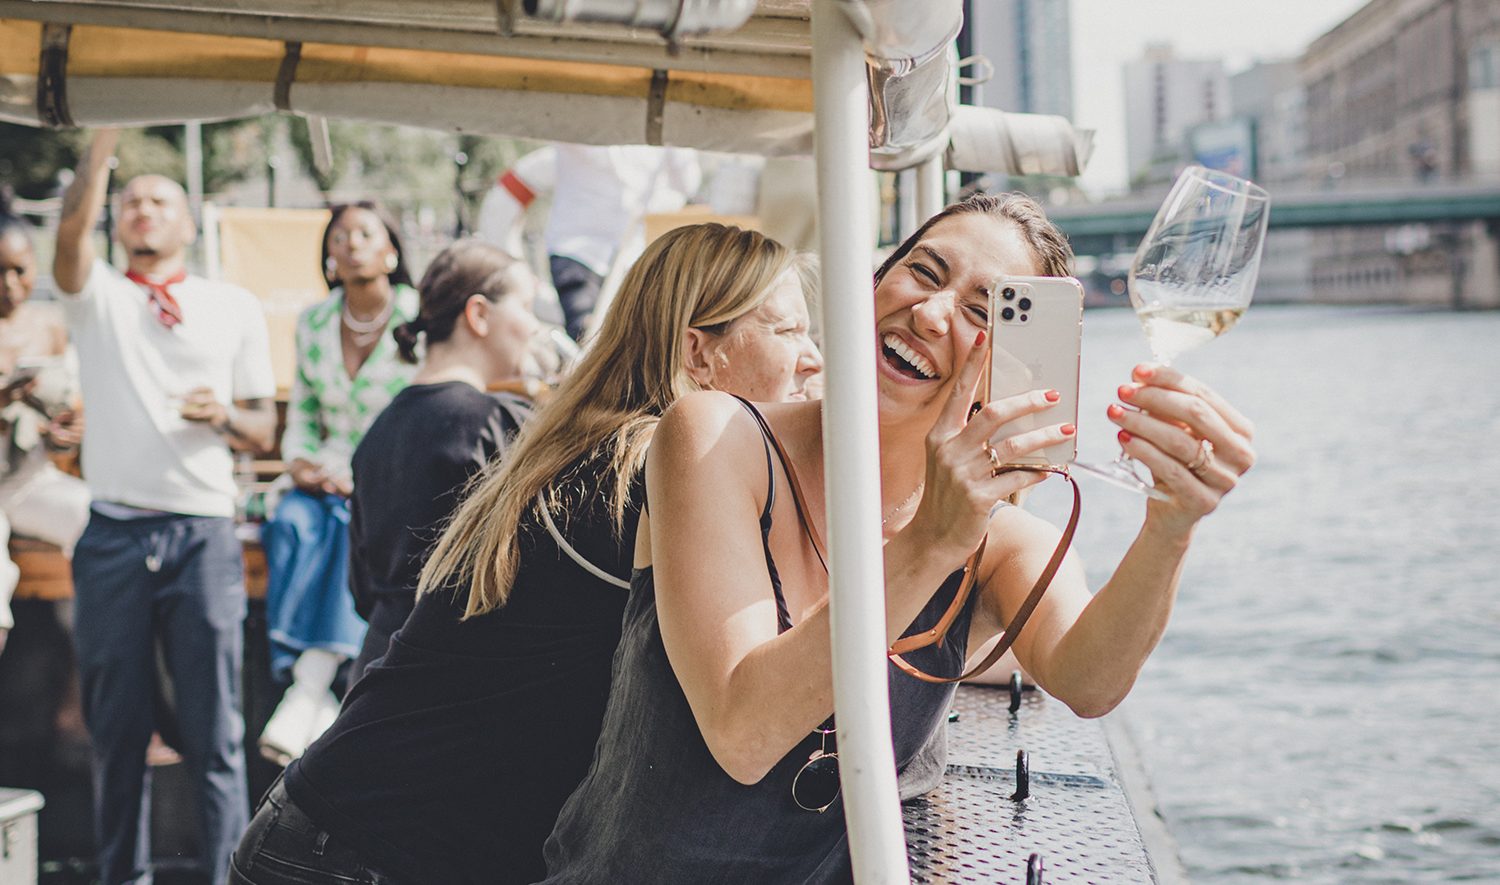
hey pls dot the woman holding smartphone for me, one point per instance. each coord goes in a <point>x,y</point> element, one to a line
<point>40,412</point>
<point>722,694</point>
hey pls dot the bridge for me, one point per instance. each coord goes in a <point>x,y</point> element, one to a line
<point>1117,226</point>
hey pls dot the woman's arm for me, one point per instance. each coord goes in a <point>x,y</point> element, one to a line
<point>302,440</point>
<point>754,693</point>
<point>1087,651</point>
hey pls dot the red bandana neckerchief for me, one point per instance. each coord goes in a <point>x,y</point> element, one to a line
<point>168,311</point>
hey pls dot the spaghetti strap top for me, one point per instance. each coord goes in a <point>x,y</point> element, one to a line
<point>656,799</point>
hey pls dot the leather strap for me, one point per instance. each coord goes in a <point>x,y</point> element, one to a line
<point>1013,629</point>
<point>939,632</point>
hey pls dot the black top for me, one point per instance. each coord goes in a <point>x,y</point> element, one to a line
<point>656,800</point>
<point>454,752</point>
<point>408,472</point>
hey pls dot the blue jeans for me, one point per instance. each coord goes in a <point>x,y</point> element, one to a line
<point>308,603</point>
<point>283,846</point>
<point>179,581</point>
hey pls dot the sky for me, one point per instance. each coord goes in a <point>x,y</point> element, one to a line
<point>1108,33</point>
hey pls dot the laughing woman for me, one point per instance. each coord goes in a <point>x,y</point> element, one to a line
<point>723,687</point>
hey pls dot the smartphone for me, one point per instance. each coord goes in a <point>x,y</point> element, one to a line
<point>1036,335</point>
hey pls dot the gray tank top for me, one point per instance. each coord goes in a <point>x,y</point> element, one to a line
<point>656,807</point>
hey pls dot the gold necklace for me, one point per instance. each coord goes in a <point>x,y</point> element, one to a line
<point>891,514</point>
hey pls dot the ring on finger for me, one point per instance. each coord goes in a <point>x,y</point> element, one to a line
<point>996,465</point>
<point>1204,458</point>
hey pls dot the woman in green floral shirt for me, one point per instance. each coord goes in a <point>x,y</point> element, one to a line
<point>347,372</point>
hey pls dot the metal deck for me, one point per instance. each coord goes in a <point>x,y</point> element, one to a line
<point>1077,818</point>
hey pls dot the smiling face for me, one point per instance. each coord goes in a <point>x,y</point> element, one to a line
<point>360,246</point>
<point>933,303</point>
<point>765,355</point>
<point>154,219</point>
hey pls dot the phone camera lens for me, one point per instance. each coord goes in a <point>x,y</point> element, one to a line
<point>1008,314</point>
<point>1023,317</point>
<point>1008,293</point>
<point>1024,304</point>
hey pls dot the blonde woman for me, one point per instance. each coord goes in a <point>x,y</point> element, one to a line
<point>454,752</point>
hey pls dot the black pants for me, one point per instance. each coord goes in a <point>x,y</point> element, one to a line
<point>176,580</point>
<point>283,846</point>
<point>577,292</point>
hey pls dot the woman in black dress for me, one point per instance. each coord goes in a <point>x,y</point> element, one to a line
<point>712,765</point>
<point>455,750</point>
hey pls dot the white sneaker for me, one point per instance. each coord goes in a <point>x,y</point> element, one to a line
<point>286,733</point>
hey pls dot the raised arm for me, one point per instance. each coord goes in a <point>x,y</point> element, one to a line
<point>82,203</point>
<point>1087,651</point>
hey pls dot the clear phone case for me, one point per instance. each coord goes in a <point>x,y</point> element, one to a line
<point>1036,333</point>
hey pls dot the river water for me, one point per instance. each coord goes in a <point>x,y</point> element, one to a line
<point>1325,705</point>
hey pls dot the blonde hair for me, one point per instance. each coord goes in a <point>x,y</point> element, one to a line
<point>602,416</point>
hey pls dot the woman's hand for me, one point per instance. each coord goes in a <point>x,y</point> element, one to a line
<point>65,430</point>
<point>310,477</point>
<point>962,483</point>
<point>1196,444</point>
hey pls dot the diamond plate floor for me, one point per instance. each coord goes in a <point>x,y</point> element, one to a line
<point>1077,817</point>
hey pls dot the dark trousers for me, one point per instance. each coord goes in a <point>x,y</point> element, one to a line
<point>176,581</point>
<point>577,292</point>
<point>283,846</point>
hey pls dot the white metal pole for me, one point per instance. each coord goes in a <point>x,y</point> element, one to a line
<point>907,221</point>
<point>867,767</point>
<point>193,155</point>
<point>932,188</point>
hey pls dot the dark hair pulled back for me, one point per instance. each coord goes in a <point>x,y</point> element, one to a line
<point>1050,246</point>
<point>467,268</point>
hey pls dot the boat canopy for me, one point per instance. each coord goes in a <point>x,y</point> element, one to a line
<point>489,67</point>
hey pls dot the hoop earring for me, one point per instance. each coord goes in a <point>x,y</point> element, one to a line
<point>391,262</point>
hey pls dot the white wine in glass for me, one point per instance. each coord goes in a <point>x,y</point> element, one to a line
<point>1193,277</point>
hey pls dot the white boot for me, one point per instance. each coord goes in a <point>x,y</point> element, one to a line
<point>303,713</point>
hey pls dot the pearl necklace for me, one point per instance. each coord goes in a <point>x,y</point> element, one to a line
<point>892,513</point>
<point>362,332</point>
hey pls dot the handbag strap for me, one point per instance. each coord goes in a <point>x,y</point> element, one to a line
<point>939,631</point>
<point>1013,629</point>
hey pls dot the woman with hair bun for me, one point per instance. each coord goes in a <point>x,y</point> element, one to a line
<point>476,322</point>
<point>347,372</point>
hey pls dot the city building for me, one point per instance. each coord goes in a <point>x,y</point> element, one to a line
<point>1406,92</point>
<point>1266,100</point>
<point>1165,98</point>
<point>1028,46</point>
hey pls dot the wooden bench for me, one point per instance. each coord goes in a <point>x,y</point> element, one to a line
<point>47,575</point>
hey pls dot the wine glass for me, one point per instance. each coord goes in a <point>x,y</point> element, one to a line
<point>1192,277</point>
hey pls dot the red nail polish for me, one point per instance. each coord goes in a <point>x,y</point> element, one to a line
<point>1124,437</point>
<point>979,339</point>
<point>1114,411</point>
<point>1145,371</point>
<point>1069,430</point>
<point>1126,391</point>
<point>1052,396</point>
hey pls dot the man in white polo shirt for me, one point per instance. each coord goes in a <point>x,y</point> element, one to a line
<point>173,366</point>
